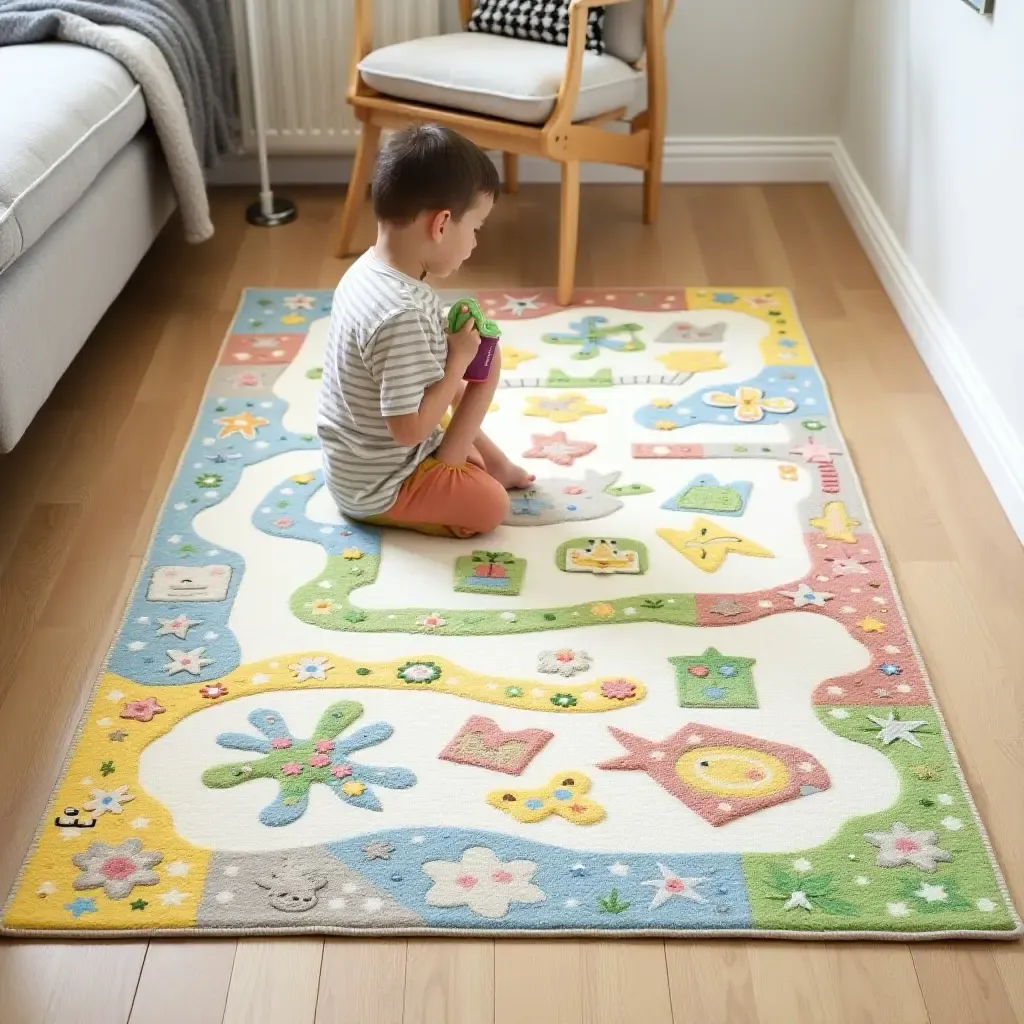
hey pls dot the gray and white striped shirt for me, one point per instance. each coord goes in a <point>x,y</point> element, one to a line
<point>386,345</point>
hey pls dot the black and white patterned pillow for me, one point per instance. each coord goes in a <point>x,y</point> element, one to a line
<point>542,21</point>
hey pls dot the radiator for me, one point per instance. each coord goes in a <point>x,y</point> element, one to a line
<point>306,50</point>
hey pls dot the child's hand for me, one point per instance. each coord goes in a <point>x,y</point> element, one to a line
<point>463,344</point>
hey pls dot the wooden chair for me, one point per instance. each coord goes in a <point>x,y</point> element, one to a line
<point>407,87</point>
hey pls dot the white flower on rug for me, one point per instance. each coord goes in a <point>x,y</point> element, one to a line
<point>118,869</point>
<point>311,668</point>
<point>932,893</point>
<point>482,882</point>
<point>103,802</point>
<point>898,909</point>
<point>563,662</point>
<point>294,302</point>
<point>900,846</point>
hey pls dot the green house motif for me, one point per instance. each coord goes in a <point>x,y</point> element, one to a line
<point>714,680</point>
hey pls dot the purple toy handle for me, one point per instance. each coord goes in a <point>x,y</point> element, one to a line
<point>480,368</point>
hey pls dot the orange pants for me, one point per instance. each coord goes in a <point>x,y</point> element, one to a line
<point>447,501</point>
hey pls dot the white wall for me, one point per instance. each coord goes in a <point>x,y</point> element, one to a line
<point>934,125</point>
<point>750,68</point>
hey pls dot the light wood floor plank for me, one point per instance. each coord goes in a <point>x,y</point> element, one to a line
<point>362,982</point>
<point>625,981</point>
<point>274,980</point>
<point>558,999</point>
<point>184,983</point>
<point>69,983</point>
<point>449,980</point>
<point>710,983</point>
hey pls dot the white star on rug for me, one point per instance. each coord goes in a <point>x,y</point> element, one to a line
<point>178,626</point>
<point>803,595</point>
<point>797,899</point>
<point>192,661</point>
<point>178,868</point>
<point>173,898</point>
<point>671,885</point>
<point>892,728</point>
<point>519,306</point>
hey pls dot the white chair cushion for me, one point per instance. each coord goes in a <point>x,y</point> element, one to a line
<point>624,31</point>
<point>511,79</point>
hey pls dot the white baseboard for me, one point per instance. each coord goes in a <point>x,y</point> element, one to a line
<point>688,160</point>
<point>995,443</point>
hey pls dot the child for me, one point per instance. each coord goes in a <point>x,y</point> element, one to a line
<point>392,371</point>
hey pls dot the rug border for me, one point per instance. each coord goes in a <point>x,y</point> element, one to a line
<point>520,933</point>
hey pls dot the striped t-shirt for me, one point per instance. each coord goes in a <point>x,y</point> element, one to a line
<point>386,345</point>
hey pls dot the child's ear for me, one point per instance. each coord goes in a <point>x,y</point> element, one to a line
<point>438,222</point>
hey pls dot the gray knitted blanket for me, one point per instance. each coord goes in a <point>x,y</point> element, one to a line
<point>194,37</point>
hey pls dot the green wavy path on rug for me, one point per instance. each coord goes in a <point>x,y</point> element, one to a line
<point>839,884</point>
<point>342,576</point>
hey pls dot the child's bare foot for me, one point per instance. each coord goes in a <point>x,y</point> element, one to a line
<point>511,476</point>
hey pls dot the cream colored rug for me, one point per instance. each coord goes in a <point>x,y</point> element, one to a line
<point>674,694</point>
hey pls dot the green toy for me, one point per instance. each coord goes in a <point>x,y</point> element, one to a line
<point>461,312</point>
<point>469,309</point>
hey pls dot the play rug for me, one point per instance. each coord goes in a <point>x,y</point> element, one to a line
<point>673,694</point>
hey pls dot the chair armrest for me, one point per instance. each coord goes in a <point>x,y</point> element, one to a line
<point>568,93</point>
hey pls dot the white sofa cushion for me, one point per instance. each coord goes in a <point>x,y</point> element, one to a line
<point>67,111</point>
<point>511,79</point>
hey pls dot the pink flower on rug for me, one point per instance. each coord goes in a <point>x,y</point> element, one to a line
<point>341,771</point>
<point>291,768</point>
<point>142,710</point>
<point>618,689</point>
<point>281,743</point>
<point>283,522</point>
<point>324,746</point>
<point>319,760</point>
<point>213,691</point>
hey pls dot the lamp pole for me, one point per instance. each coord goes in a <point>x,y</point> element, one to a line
<point>269,211</point>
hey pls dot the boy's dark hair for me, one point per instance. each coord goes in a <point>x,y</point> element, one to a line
<point>428,167</point>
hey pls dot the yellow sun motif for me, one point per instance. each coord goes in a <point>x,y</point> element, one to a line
<point>707,545</point>
<point>562,408</point>
<point>512,357</point>
<point>696,361</point>
<point>732,771</point>
<point>665,425</point>
<point>662,403</point>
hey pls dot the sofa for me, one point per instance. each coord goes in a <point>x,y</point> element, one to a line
<point>84,191</point>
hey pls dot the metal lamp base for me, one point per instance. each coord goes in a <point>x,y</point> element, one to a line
<point>284,212</point>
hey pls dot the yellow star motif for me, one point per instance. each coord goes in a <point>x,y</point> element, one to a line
<point>696,361</point>
<point>870,625</point>
<point>562,408</point>
<point>243,423</point>
<point>707,545</point>
<point>512,357</point>
<point>835,523</point>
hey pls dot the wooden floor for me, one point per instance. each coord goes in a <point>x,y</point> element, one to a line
<point>79,495</point>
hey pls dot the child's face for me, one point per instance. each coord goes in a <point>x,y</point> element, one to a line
<point>454,240</point>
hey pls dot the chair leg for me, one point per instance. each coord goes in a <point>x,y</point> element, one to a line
<point>652,175</point>
<point>511,173</point>
<point>652,184</point>
<point>568,230</point>
<point>366,152</point>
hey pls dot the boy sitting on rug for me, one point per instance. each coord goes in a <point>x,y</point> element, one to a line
<point>392,372</point>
